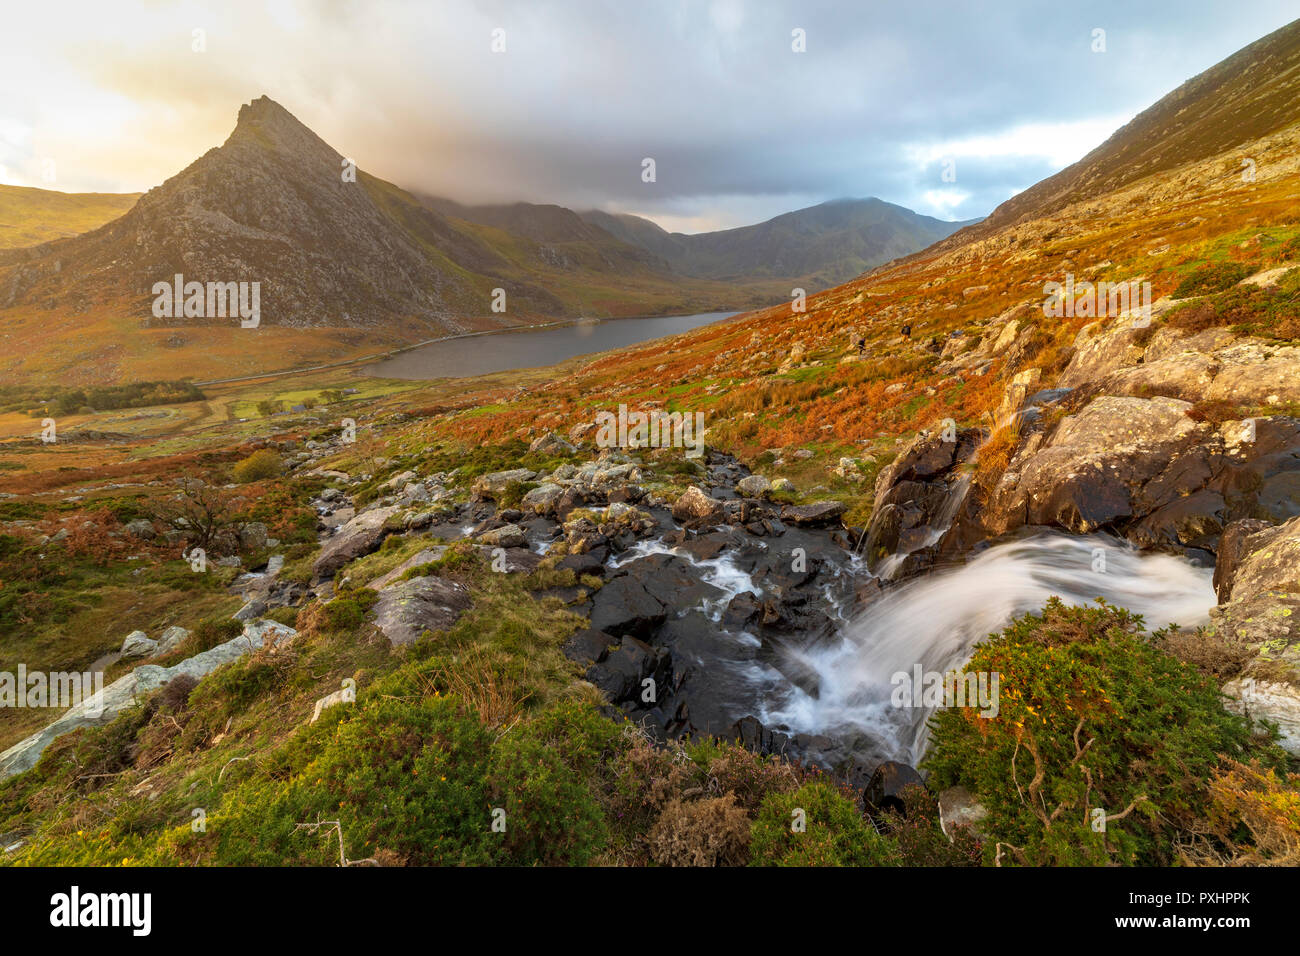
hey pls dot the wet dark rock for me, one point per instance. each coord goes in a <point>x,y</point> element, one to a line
<point>588,646</point>
<point>1234,546</point>
<point>888,781</point>
<point>624,606</point>
<point>742,610</point>
<point>620,675</point>
<point>670,580</point>
<point>591,562</point>
<point>750,733</point>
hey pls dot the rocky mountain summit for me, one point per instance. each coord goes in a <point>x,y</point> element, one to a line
<point>270,205</point>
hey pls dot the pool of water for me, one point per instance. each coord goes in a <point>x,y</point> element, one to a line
<point>501,351</point>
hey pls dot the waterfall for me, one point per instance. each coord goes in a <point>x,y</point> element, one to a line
<point>935,621</point>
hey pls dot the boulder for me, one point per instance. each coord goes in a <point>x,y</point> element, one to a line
<point>695,507</point>
<point>817,514</point>
<point>507,536</point>
<point>140,528</point>
<point>344,695</point>
<point>551,444</point>
<point>753,486</point>
<point>543,499</point>
<point>885,789</point>
<point>138,644</point>
<point>170,639</point>
<point>493,484</point>
<point>253,536</point>
<point>406,609</point>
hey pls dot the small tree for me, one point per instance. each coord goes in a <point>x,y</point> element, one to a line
<point>199,509</point>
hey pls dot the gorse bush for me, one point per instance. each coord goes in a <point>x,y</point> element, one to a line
<point>406,777</point>
<point>548,775</point>
<point>260,465</point>
<point>1092,716</point>
<point>833,832</point>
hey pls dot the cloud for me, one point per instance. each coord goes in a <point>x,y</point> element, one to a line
<point>740,125</point>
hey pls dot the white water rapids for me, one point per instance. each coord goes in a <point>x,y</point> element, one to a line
<point>935,621</point>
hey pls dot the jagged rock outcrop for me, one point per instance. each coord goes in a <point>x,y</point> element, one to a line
<point>270,205</point>
<point>360,535</point>
<point>1145,468</point>
<point>1260,610</point>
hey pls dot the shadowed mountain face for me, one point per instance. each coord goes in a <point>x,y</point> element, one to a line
<point>818,246</point>
<point>1252,93</point>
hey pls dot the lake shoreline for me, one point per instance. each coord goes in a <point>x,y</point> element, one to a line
<point>536,346</point>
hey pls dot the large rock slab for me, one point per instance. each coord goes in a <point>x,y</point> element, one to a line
<point>359,536</point>
<point>406,609</point>
<point>625,606</point>
<point>104,707</point>
<point>1088,473</point>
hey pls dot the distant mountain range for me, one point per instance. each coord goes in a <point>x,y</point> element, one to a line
<point>823,245</point>
<point>818,247</point>
<point>272,205</point>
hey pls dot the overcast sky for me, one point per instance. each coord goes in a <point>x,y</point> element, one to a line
<point>741,127</point>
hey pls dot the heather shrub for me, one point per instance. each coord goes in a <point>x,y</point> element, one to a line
<point>402,778</point>
<point>1211,277</point>
<point>712,831</point>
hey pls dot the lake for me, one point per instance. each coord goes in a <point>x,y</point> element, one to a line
<point>501,351</point>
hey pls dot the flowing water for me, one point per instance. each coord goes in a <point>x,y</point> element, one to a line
<point>936,621</point>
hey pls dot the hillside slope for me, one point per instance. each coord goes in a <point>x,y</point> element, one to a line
<point>1245,97</point>
<point>29,217</point>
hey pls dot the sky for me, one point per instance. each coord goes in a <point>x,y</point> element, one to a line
<point>947,108</point>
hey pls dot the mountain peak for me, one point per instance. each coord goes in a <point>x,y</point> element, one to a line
<point>265,122</point>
